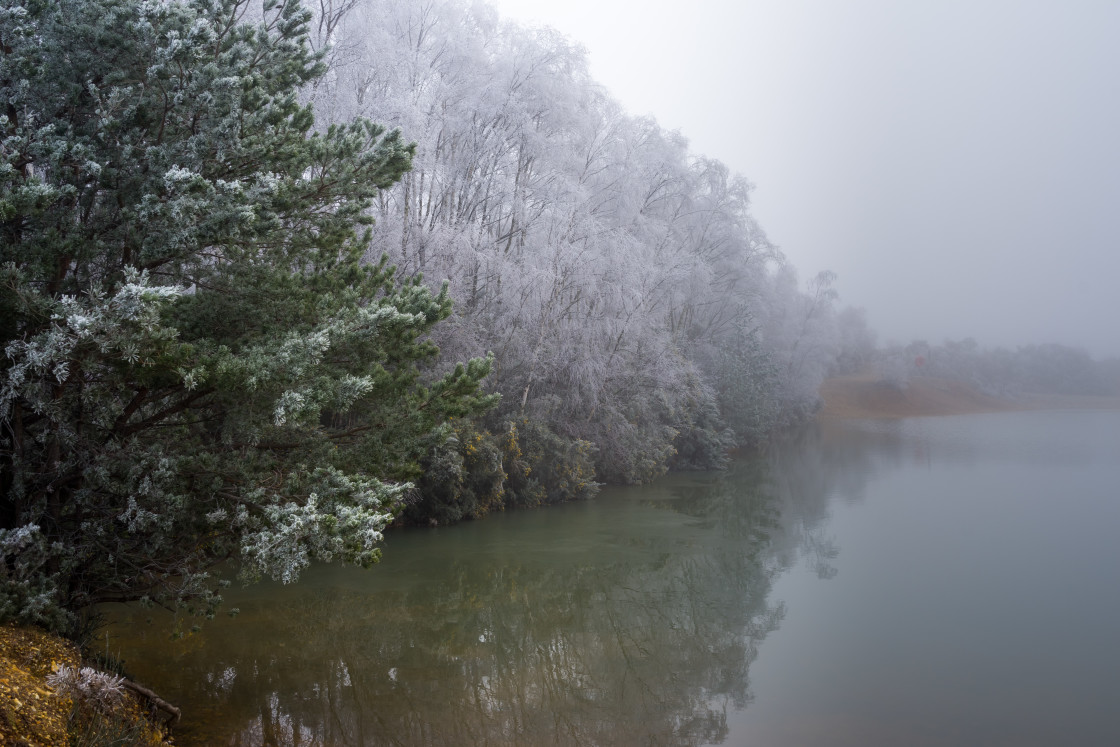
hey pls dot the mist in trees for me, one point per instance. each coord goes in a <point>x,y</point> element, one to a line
<point>233,300</point>
<point>639,318</point>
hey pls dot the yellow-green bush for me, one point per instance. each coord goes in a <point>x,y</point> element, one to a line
<point>548,468</point>
<point>519,463</point>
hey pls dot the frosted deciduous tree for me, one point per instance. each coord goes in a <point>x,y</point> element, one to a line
<point>625,289</point>
<point>856,342</point>
<point>800,330</point>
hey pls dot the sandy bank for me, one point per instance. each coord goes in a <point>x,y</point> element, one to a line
<point>865,396</point>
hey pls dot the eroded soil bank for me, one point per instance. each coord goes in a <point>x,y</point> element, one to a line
<point>35,714</point>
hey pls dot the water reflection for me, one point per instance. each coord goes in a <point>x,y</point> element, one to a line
<point>635,615</point>
<point>975,596</point>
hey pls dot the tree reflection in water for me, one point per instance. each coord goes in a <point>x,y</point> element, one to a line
<point>633,618</point>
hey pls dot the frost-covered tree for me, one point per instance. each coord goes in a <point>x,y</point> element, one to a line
<point>857,343</point>
<point>197,364</point>
<point>800,330</point>
<point>629,297</point>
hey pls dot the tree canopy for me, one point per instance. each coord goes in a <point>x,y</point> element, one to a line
<point>200,361</point>
<point>635,308</point>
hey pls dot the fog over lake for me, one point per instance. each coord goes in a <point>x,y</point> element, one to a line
<point>954,162</point>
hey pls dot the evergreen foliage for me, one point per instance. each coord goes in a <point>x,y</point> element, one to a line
<point>198,361</point>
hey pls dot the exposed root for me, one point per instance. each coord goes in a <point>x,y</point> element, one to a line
<point>173,713</point>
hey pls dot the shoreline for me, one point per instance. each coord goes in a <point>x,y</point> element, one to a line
<point>866,396</point>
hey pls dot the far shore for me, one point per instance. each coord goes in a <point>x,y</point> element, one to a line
<point>867,396</point>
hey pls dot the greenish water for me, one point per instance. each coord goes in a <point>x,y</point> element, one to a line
<point>939,581</point>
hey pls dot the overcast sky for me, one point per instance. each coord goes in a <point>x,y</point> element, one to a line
<point>956,162</point>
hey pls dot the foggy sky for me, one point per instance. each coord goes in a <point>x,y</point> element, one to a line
<point>956,162</point>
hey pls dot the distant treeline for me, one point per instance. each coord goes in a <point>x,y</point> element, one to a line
<point>1038,369</point>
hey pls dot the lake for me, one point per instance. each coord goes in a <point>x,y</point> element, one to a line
<point>936,581</point>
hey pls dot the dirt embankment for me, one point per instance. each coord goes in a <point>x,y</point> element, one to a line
<point>35,713</point>
<point>866,396</point>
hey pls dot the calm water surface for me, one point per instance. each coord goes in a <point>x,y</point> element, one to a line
<point>938,581</point>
